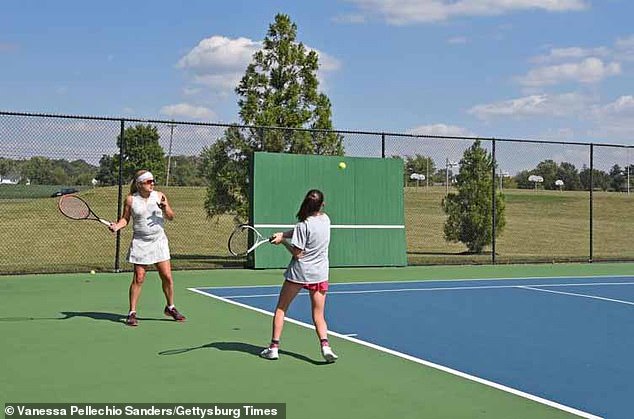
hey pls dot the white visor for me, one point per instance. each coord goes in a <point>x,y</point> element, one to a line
<point>145,176</point>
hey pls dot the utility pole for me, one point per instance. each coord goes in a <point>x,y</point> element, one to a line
<point>448,165</point>
<point>628,171</point>
<point>169,154</point>
<point>447,176</point>
<point>426,172</point>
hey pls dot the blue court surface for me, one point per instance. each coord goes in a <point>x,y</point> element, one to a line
<point>564,341</point>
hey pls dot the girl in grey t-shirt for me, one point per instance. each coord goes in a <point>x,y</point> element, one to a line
<point>308,269</point>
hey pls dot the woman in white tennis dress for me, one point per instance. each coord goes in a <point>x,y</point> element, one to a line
<point>148,210</point>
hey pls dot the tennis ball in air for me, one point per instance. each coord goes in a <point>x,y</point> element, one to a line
<point>92,272</point>
<point>342,165</point>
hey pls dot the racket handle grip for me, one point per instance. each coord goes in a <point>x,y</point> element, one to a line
<point>105,222</point>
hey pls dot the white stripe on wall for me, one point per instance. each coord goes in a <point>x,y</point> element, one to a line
<point>342,226</point>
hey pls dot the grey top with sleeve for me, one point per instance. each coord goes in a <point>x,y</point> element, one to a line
<point>313,237</point>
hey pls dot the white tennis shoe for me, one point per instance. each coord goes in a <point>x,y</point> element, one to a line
<point>270,353</point>
<point>328,354</point>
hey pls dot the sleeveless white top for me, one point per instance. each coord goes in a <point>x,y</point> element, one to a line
<point>149,242</point>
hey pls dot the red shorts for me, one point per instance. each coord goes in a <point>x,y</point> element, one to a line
<point>320,286</point>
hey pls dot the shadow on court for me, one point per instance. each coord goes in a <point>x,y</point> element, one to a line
<point>246,348</point>
<point>97,315</point>
<point>224,261</point>
<point>26,319</point>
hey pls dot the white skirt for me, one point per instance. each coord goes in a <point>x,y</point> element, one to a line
<point>149,252</point>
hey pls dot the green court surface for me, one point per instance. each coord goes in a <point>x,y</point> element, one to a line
<point>63,340</point>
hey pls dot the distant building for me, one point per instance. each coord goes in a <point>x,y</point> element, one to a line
<point>10,180</point>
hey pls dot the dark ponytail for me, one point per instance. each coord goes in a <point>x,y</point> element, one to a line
<point>312,203</point>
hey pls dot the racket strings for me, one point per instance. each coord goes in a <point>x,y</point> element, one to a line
<point>73,207</point>
<point>239,241</point>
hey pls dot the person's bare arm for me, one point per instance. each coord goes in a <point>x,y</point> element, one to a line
<point>125,217</point>
<point>168,212</point>
<point>280,238</point>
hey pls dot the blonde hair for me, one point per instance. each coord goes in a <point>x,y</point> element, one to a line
<point>134,188</point>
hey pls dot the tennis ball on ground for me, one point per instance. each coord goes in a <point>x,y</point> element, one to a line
<point>342,165</point>
<point>93,272</point>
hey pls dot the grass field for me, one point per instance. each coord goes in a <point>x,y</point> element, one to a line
<point>543,226</point>
<point>63,341</point>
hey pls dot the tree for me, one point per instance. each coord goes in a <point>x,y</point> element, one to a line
<point>548,170</point>
<point>600,179</point>
<point>470,211</point>
<point>521,179</point>
<point>568,173</point>
<point>618,179</point>
<point>185,171</point>
<point>423,165</point>
<point>226,174</point>
<point>106,174</point>
<point>7,167</point>
<point>141,150</point>
<point>279,89</point>
<point>38,170</point>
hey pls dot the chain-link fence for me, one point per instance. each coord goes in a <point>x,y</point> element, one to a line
<point>562,201</point>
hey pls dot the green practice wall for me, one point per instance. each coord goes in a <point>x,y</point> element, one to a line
<point>364,202</point>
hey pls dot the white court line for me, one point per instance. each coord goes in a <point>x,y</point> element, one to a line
<point>426,363</point>
<point>409,281</point>
<point>474,287</point>
<point>577,295</point>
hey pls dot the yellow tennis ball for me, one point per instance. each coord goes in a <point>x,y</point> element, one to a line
<point>92,272</point>
<point>342,165</point>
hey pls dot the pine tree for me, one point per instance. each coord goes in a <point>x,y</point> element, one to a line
<point>470,210</point>
<point>279,89</point>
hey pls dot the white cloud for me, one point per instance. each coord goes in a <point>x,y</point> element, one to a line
<point>327,62</point>
<point>534,105</point>
<point>219,62</point>
<point>191,91</point>
<point>621,50</point>
<point>441,130</point>
<point>401,12</point>
<point>457,40</point>
<point>219,53</point>
<point>615,120</point>
<point>185,110</point>
<point>622,107</point>
<point>624,48</point>
<point>571,53</point>
<point>589,70</point>
<point>350,18</point>
<point>559,134</point>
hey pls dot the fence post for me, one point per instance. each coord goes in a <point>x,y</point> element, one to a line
<point>117,262</point>
<point>591,200</point>
<point>493,217</point>
<point>383,145</point>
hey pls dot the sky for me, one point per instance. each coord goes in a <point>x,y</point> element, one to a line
<point>539,69</point>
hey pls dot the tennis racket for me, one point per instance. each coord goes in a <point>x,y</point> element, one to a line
<point>239,240</point>
<point>76,208</point>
